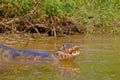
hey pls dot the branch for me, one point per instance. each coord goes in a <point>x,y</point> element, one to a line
<point>13,20</point>
<point>4,25</point>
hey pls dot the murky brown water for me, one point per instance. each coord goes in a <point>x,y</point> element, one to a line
<point>99,58</point>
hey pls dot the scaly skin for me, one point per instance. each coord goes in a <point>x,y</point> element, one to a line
<point>8,54</point>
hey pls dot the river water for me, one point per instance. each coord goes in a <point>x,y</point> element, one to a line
<point>99,60</point>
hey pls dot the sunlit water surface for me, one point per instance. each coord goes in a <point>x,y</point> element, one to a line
<point>99,60</point>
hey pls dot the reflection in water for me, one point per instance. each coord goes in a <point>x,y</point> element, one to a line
<point>68,69</point>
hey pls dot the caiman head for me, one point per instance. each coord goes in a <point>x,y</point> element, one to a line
<point>67,52</point>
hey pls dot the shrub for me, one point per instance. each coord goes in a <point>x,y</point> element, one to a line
<point>57,8</point>
<point>12,8</point>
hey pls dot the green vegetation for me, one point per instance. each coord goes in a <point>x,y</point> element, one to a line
<point>14,8</point>
<point>91,16</point>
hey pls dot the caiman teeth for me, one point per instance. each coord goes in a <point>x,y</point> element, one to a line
<point>63,56</point>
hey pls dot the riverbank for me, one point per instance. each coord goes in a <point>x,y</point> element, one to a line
<point>59,17</point>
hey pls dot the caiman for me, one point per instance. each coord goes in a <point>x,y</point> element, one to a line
<point>66,52</point>
<point>8,54</point>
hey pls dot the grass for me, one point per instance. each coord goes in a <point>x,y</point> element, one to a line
<point>92,16</point>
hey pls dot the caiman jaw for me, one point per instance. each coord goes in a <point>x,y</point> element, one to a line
<point>68,54</point>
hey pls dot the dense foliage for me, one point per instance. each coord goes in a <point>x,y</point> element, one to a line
<point>91,15</point>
